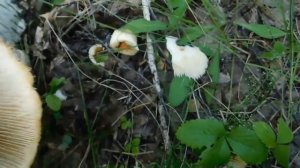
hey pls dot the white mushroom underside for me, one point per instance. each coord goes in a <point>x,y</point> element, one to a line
<point>20,113</point>
<point>187,60</point>
<point>124,36</point>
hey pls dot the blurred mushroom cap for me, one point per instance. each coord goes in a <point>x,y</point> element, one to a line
<point>187,60</point>
<point>20,112</point>
<point>124,41</point>
<point>94,51</point>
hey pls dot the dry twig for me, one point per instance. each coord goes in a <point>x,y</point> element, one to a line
<point>151,62</point>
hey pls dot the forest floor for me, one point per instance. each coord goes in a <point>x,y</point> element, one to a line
<point>113,116</point>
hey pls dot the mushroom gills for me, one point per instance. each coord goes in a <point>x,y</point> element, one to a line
<point>20,112</point>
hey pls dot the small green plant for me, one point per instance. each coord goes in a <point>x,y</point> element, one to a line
<point>52,101</point>
<point>278,145</point>
<point>125,123</point>
<point>66,142</point>
<point>218,144</point>
<point>133,146</point>
<point>276,52</point>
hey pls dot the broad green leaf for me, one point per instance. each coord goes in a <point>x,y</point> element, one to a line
<point>193,33</point>
<point>281,154</point>
<point>207,50</point>
<point>53,102</point>
<point>264,31</point>
<point>57,2</point>
<point>177,3</point>
<point>218,155</point>
<point>144,26</point>
<point>200,133</point>
<point>179,90</point>
<point>176,16</point>
<point>285,134</point>
<point>246,145</point>
<point>213,71</point>
<point>265,133</point>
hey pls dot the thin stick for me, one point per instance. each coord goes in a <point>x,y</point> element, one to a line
<point>151,62</point>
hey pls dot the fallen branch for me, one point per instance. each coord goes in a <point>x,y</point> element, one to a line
<point>151,62</point>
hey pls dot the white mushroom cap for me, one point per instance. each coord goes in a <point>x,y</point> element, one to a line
<point>124,41</point>
<point>187,60</point>
<point>94,51</point>
<point>20,112</point>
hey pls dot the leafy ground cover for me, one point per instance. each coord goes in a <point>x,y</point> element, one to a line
<point>245,110</point>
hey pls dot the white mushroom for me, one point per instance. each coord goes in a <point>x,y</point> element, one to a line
<point>187,60</point>
<point>20,112</point>
<point>94,51</point>
<point>124,41</point>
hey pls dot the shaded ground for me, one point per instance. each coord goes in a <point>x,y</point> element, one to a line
<point>110,115</point>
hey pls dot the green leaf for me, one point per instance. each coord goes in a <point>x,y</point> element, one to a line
<point>276,52</point>
<point>53,102</point>
<point>265,133</point>
<point>207,50</point>
<point>265,31</point>
<point>285,134</point>
<point>200,133</point>
<point>179,90</point>
<point>55,84</point>
<point>135,145</point>
<point>126,124</point>
<point>214,72</point>
<point>246,144</point>
<point>193,33</point>
<point>136,141</point>
<point>281,154</point>
<point>176,16</point>
<point>267,55</point>
<point>66,142</point>
<point>101,58</point>
<point>177,3</point>
<point>278,47</point>
<point>217,155</point>
<point>57,2</point>
<point>144,26</point>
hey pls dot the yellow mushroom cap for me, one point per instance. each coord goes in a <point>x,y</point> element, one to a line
<point>187,60</point>
<point>124,41</point>
<point>20,112</point>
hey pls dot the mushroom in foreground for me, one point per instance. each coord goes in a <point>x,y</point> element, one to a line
<point>20,112</point>
<point>124,41</point>
<point>187,60</point>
